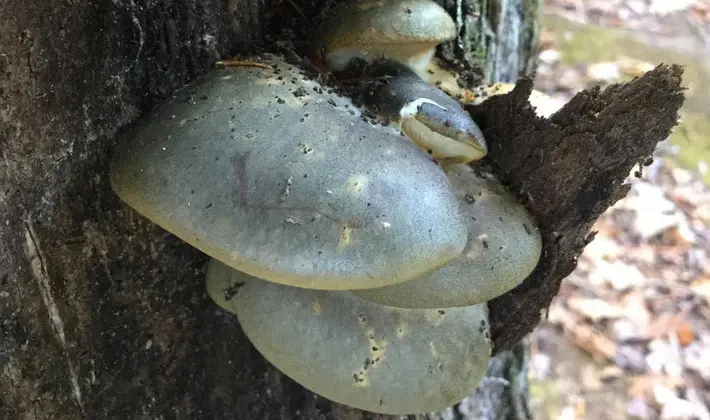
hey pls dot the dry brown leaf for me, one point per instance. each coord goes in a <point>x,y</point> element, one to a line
<point>682,201</point>
<point>685,333</point>
<point>636,310</point>
<point>595,309</point>
<point>668,323</point>
<point>583,336</point>
<point>604,226</point>
<point>662,325</point>
<point>642,386</point>
<point>617,275</point>
<point>567,289</point>
<point>603,247</point>
<point>641,254</point>
<point>701,287</point>
<point>701,11</point>
<point>681,236</point>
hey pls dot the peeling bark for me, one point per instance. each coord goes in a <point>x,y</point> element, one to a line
<point>568,170</point>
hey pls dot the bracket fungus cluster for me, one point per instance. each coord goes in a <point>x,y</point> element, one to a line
<point>355,264</point>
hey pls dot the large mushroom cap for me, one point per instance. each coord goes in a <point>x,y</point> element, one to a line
<point>397,29</point>
<point>267,173</point>
<point>355,352</point>
<point>503,249</point>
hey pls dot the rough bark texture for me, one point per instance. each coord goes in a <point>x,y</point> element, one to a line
<point>568,170</point>
<point>104,315</point>
<point>497,40</point>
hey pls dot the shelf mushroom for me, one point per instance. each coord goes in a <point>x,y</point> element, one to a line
<point>405,31</point>
<point>355,352</point>
<point>302,205</point>
<point>265,171</point>
<point>503,248</point>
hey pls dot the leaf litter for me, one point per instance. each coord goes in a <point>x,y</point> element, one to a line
<point>639,301</point>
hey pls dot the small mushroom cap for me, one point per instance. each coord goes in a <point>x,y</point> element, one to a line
<point>428,116</point>
<point>404,30</point>
<point>503,249</point>
<point>355,352</point>
<point>446,136</point>
<point>264,171</point>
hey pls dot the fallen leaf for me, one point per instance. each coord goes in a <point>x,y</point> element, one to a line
<point>642,386</point>
<point>701,287</point>
<point>682,201</point>
<point>681,236</point>
<point>685,333</point>
<point>583,336</point>
<point>664,356</point>
<point>618,274</point>
<point>701,12</point>
<point>637,310</point>
<point>631,358</point>
<point>604,226</point>
<point>595,309</point>
<point>602,247</point>
<point>625,330</point>
<point>654,211</point>
<point>667,323</point>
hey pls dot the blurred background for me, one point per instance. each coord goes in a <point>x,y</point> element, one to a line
<point>628,337</point>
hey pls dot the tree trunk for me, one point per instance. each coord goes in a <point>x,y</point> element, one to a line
<point>103,314</point>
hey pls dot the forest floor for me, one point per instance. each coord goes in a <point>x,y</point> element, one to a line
<point>629,334</point>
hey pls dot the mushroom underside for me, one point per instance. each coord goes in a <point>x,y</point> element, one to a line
<point>352,351</point>
<point>504,246</point>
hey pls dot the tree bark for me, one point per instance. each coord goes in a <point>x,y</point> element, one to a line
<point>103,314</point>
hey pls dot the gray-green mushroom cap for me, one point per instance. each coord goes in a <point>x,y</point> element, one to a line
<point>267,172</point>
<point>428,116</point>
<point>407,31</point>
<point>504,246</point>
<point>355,352</point>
